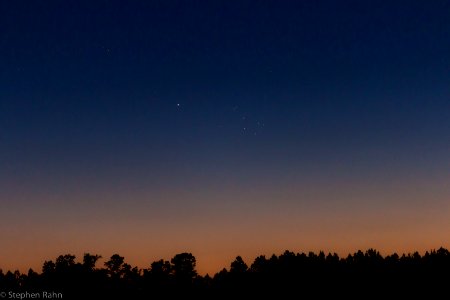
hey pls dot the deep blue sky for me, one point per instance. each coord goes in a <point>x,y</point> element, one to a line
<point>205,105</point>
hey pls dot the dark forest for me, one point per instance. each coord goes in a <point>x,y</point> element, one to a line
<point>360,275</point>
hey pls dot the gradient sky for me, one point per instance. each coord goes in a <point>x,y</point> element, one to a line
<point>222,128</point>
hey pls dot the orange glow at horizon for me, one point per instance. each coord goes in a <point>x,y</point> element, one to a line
<point>217,231</point>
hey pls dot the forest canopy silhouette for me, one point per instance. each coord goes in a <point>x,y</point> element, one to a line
<point>361,274</point>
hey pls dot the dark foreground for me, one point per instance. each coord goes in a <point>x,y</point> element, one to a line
<point>363,275</point>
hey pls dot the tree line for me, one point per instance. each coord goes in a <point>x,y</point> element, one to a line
<point>359,275</point>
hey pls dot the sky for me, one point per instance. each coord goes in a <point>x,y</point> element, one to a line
<point>222,128</point>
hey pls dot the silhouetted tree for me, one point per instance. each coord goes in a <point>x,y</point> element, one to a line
<point>159,271</point>
<point>183,268</point>
<point>48,267</point>
<point>64,262</point>
<point>89,261</point>
<point>116,266</point>
<point>238,266</point>
<point>259,265</point>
